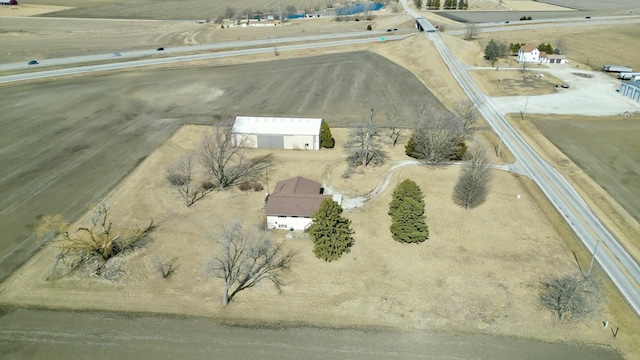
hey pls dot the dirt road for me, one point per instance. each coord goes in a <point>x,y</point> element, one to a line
<point>31,334</point>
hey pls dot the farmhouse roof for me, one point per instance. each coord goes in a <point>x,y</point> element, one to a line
<point>276,125</point>
<point>528,48</point>
<point>297,196</point>
<point>543,55</point>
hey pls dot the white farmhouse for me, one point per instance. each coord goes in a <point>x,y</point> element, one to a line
<point>529,54</point>
<point>293,203</point>
<point>277,133</point>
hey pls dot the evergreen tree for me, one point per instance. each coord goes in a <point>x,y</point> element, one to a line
<point>326,139</point>
<point>407,213</point>
<point>436,4</point>
<point>330,232</point>
<point>410,148</point>
<point>409,224</point>
<point>406,189</point>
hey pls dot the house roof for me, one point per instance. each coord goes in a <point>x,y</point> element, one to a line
<point>528,48</point>
<point>276,125</point>
<point>555,56</point>
<point>297,196</point>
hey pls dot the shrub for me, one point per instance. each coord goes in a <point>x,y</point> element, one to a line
<point>369,27</point>
<point>207,185</point>
<point>244,186</point>
<point>258,187</point>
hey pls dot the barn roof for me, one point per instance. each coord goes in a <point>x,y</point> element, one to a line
<point>276,125</point>
<point>297,196</point>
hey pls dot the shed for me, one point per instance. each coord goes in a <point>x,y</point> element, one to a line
<point>630,89</point>
<point>277,132</point>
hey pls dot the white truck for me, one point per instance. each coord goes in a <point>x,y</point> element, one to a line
<point>628,75</point>
<point>616,68</point>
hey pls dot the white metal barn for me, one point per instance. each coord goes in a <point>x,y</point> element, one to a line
<point>277,133</point>
<point>630,89</point>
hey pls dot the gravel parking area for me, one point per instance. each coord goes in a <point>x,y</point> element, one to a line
<point>590,93</point>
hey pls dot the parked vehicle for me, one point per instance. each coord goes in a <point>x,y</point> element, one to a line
<point>627,75</point>
<point>616,68</point>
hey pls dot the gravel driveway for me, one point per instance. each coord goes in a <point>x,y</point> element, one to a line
<point>590,93</point>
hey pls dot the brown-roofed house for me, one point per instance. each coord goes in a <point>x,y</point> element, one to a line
<point>293,203</point>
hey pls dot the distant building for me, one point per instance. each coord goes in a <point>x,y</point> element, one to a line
<point>531,54</point>
<point>277,133</point>
<point>630,89</point>
<point>528,54</point>
<point>293,203</point>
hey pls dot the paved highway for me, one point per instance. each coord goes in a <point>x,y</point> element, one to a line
<point>617,263</point>
<point>195,48</point>
<point>545,24</point>
<point>165,60</point>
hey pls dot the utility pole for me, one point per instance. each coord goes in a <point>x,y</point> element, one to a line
<point>593,256</point>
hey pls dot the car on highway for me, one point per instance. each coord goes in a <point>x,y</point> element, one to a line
<point>587,17</point>
<point>116,54</point>
<point>160,49</point>
<point>33,62</point>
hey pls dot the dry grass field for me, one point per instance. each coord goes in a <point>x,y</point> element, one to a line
<point>478,272</point>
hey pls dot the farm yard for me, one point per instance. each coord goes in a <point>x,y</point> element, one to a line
<point>468,265</point>
<point>113,134</point>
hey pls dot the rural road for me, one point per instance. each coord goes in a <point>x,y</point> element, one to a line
<point>617,263</point>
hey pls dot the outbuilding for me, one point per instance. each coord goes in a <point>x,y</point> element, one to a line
<point>277,132</point>
<point>630,89</point>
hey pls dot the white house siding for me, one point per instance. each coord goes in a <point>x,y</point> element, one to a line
<point>529,56</point>
<point>301,142</point>
<point>288,222</point>
<point>250,141</point>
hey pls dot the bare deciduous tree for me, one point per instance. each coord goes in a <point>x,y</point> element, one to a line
<point>392,111</point>
<point>92,246</point>
<point>472,187</point>
<point>179,175</point>
<point>364,145</point>
<point>570,297</point>
<point>438,137</point>
<point>226,161</point>
<point>246,259</point>
<point>167,268</point>
<point>468,113</point>
<point>471,31</point>
<point>562,47</point>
